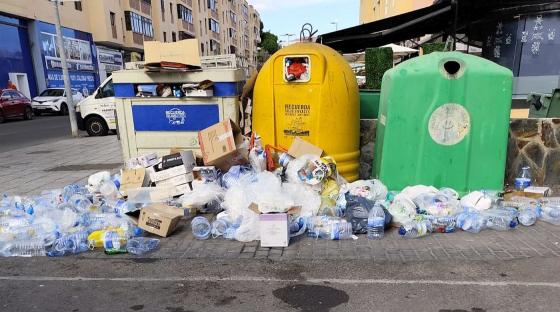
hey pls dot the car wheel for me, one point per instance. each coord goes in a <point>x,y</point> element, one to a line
<point>28,115</point>
<point>36,113</point>
<point>2,119</point>
<point>63,109</point>
<point>95,126</point>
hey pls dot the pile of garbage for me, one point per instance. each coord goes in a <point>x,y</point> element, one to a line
<point>256,192</point>
<point>71,220</point>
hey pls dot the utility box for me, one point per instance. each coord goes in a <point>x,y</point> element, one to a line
<point>443,121</point>
<point>544,105</point>
<point>308,90</point>
<point>149,123</point>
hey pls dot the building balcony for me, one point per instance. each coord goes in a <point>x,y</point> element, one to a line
<point>234,41</point>
<point>188,26</point>
<point>189,3</point>
<point>137,38</point>
<point>215,36</point>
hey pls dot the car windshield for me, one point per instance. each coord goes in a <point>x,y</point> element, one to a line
<point>53,92</point>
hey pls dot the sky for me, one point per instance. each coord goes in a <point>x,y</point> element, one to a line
<point>288,16</point>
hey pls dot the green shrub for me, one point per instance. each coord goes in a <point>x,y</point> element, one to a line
<point>378,61</point>
<point>433,47</point>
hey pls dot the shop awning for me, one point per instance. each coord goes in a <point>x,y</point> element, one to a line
<point>445,16</point>
<point>393,29</point>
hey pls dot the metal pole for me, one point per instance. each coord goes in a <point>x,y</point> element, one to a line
<point>67,88</point>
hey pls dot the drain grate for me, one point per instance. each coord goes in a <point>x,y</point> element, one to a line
<point>86,167</point>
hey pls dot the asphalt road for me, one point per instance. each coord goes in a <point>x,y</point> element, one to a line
<point>17,133</point>
<point>118,284</point>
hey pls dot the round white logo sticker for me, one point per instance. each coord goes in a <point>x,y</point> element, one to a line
<point>449,124</point>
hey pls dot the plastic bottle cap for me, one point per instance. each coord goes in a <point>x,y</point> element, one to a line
<point>402,231</point>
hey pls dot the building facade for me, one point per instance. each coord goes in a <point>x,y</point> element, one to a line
<point>373,10</point>
<point>101,35</point>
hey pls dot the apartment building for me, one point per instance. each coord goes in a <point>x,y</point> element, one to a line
<point>373,10</point>
<point>101,35</point>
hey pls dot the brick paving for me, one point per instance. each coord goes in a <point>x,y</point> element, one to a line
<point>32,169</point>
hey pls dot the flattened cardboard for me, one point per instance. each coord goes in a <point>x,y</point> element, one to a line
<point>218,144</point>
<point>159,219</point>
<point>301,147</point>
<point>182,52</point>
<point>132,178</point>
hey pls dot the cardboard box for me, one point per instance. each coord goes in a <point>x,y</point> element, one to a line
<point>170,161</point>
<point>175,181</point>
<point>133,178</point>
<point>142,161</point>
<point>274,229</point>
<point>220,143</point>
<point>542,191</point>
<point>508,196</point>
<point>182,52</point>
<point>167,173</point>
<point>159,219</point>
<point>301,147</point>
<point>157,194</point>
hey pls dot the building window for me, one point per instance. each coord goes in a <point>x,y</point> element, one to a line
<point>147,27</point>
<point>184,13</point>
<point>199,12</point>
<point>112,18</point>
<point>78,5</point>
<point>214,26</point>
<point>231,32</point>
<point>171,11</point>
<point>233,17</point>
<point>213,5</point>
<point>173,36</point>
<point>201,47</point>
<point>164,36</point>
<point>162,10</point>
<point>138,24</point>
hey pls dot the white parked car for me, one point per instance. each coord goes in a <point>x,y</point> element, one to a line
<point>53,100</point>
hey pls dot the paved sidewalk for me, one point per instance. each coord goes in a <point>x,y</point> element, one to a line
<point>32,169</point>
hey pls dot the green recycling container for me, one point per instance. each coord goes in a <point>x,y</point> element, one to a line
<point>443,121</point>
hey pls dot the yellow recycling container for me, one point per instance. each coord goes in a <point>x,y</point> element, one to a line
<point>308,90</point>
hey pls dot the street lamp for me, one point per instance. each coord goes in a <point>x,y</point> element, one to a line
<point>288,35</point>
<point>67,88</point>
<point>335,25</point>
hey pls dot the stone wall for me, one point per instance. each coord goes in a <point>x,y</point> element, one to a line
<point>532,142</point>
<point>535,143</point>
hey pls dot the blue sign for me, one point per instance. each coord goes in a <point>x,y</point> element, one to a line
<point>174,117</point>
<point>81,81</point>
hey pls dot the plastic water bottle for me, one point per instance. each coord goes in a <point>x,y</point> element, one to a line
<point>443,224</point>
<point>550,213</point>
<point>415,229</point>
<point>69,244</point>
<point>339,230</point>
<point>108,189</point>
<point>141,245</point>
<point>219,227</point>
<point>527,215</point>
<point>523,180</point>
<point>376,222</point>
<point>201,228</point>
<point>501,219</point>
<point>112,241</point>
<point>23,248</point>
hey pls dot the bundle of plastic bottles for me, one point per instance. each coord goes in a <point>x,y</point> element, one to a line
<point>69,221</point>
